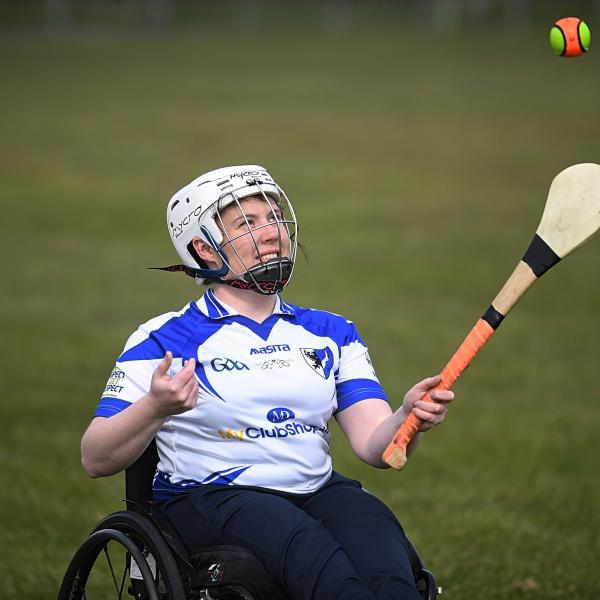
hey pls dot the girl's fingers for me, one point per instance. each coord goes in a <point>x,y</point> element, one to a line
<point>165,364</point>
<point>442,395</point>
<point>188,372</point>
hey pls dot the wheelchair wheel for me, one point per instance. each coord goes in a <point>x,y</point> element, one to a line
<point>424,579</point>
<point>124,557</point>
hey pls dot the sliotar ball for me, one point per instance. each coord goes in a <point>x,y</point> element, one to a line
<point>570,37</point>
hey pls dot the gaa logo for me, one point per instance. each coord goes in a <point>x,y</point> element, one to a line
<point>227,364</point>
<point>280,414</point>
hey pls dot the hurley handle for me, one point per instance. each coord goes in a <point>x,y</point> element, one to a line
<point>395,453</point>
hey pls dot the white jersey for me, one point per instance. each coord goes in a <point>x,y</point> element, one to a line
<point>267,393</point>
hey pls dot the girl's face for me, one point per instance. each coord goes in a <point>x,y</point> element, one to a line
<point>253,235</point>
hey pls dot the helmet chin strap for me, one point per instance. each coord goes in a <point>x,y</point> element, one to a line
<point>265,289</point>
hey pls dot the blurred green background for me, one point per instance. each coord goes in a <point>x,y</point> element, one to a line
<point>417,141</point>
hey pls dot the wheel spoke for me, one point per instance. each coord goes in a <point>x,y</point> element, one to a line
<point>112,572</point>
<point>125,571</point>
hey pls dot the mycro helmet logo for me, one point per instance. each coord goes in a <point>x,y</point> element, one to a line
<point>280,414</point>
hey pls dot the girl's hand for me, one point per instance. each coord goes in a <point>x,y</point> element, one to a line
<point>431,413</point>
<point>173,395</point>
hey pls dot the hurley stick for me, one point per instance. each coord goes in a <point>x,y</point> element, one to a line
<point>571,217</point>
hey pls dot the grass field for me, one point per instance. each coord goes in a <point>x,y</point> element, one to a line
<point>419,172</point>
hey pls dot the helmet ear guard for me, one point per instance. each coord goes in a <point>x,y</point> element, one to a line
<point>204,272</point>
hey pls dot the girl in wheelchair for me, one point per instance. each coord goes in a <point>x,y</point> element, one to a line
<point>238,389</point>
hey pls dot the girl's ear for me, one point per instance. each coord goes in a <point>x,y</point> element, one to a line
<point>206,252</point>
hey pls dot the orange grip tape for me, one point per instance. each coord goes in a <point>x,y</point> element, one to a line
<point>395,453</point>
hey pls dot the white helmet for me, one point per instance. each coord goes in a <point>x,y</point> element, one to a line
<point>195,211</point>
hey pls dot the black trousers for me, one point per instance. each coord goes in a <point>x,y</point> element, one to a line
<point>338,542</point>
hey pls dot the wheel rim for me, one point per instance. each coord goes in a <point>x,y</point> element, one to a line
<point>101,570</point>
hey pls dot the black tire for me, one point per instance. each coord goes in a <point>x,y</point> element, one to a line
<point>430,589</point>
<point>424,579</point>
<point>101,567</point>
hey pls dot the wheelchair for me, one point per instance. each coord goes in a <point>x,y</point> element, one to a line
<point>136,553</point>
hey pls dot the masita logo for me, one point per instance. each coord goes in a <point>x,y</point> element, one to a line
<point>280,414</point>
<point>270,349</point>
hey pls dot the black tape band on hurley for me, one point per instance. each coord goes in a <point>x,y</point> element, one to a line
<point>493,317</point>
<point>539,256</point>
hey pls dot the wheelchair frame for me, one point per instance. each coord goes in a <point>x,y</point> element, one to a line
<point>156,564</point>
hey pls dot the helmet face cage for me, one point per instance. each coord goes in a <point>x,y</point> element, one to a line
<point>266,276</point>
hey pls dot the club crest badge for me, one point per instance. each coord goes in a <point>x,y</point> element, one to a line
<point>320,360</point>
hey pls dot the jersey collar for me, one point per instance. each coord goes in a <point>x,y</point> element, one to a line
<point>217,309</point>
